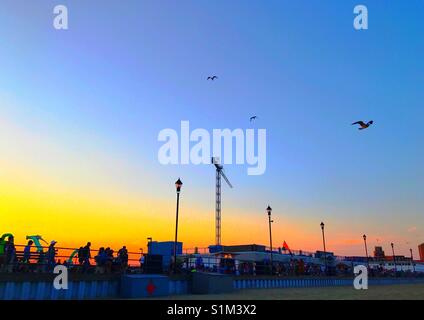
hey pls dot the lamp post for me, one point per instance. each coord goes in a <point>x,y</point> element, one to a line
<point>394,257</point>
<point>412,260</point>
<point>269,210</point>
<point>178,185</point>
<point>366,251</point>
<point>325,251</point>
<point>149,240</point>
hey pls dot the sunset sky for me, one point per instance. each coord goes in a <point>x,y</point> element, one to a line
<point>81,109</point>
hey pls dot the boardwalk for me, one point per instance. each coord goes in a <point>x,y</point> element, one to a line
<point>392,292</point>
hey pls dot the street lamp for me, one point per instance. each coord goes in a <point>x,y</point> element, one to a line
<point>412,260</point>
<point>178,185</point>
<point>394,257</point>
<point>269,210</point>
<point>149,240</point>
<point>366,251</point>
<point>323,241</point>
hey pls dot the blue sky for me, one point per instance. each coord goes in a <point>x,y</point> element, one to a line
<point>127,69</point>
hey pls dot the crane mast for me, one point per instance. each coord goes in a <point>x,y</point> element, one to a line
<point>219,174</point>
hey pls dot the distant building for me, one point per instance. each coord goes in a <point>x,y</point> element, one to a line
<point>238,248</point>
<point>421,251</point>
<point>397,258</point>
<point>319,254</point>
<point>164,248</point>
<point>160,255</point>
<point>356,259</point>
<point>379,253</point>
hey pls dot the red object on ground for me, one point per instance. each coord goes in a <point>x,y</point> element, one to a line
<point>150,288</point>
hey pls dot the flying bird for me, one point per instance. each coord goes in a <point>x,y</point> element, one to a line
<point>212,78</point>
<point>363,125</point>
<point>253,118</point>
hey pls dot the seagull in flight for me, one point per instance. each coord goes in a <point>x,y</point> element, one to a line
<point>253,118</point>
<point>212,78</point>
<point>363,125</point>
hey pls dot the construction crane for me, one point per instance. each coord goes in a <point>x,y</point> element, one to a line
<point>219,174</point>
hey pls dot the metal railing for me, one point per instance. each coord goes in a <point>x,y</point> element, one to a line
<point>293,267</point>
<point>39,261</point>
<point>296,263</point>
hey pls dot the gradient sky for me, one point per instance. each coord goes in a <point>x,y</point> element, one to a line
<point>80,111</point>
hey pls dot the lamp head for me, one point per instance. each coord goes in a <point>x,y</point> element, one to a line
<point>178,185</point>
<point>269,210</point>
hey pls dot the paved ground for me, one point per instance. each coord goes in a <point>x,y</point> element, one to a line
<point>382,292</point>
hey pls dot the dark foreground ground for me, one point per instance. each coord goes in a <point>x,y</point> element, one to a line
<point>382,292</point>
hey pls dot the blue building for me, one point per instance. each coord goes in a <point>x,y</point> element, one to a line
<point>164,249</point>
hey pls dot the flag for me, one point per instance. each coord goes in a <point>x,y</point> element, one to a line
<point>286,247</point>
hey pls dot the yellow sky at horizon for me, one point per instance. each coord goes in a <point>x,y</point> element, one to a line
<point>48,190</point>
<point>72,220</point>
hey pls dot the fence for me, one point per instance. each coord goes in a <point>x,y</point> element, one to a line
<point>38,260</point>
<point>285,265</point>
<point>297,263</point>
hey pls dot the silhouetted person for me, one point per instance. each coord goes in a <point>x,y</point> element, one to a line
<point>41,262</point>
<point>27,255</point>
<point>123,258</point>
<point>86,256</point>
<point>27,252</point>
<point>10,254</point>
<point>142,261</point>
<point>81,255</point>
<point>109,260</point>
<point>51,254</point>
<point>100,260</point>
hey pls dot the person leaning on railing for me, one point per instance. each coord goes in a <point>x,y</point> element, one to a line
<point>10,254</point>
<point>100,261</point>
<point>41,262</point>
<point>86,255</point>
<point>27,255</point>
<point>122,258</point>
<point>109,260</point>
<point>51,254</point>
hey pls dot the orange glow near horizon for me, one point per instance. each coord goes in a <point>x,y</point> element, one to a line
<point>72,220</point>
<point>65,198</point>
